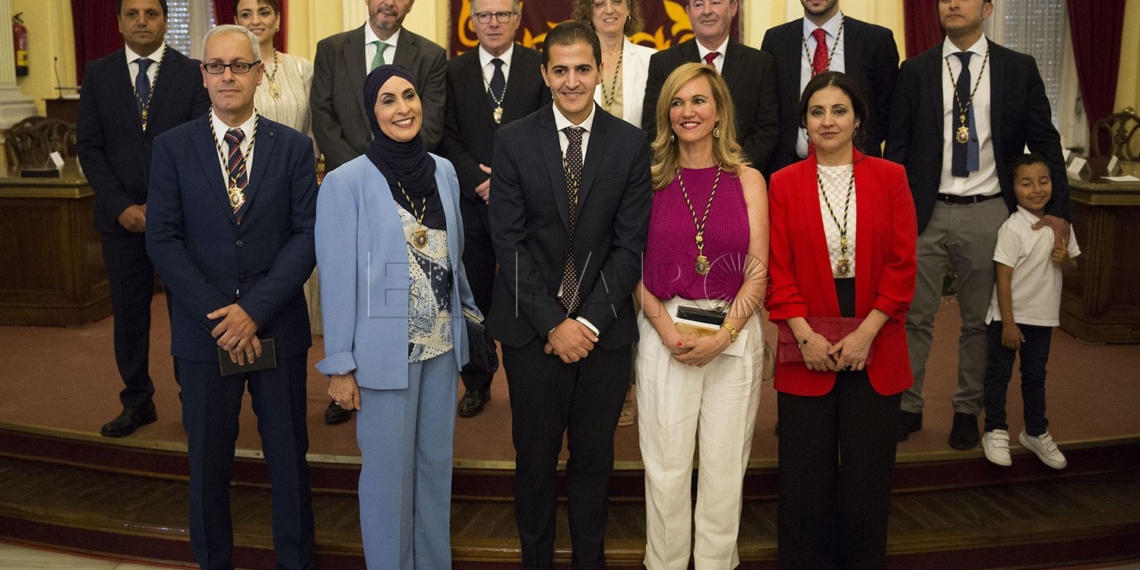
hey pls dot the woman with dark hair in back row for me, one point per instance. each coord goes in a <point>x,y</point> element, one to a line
<point>843,271</point>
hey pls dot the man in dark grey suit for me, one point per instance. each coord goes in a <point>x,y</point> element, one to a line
<point>749,73</point>
<point>865,52</point>
<point>342,62</point>
<point>961,111</point>
<point>337,96</point>
<point>569,220</point>
<point>487,87</point>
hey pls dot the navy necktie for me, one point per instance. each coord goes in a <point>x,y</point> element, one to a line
<point>498,84</point>
<point>142,83</point>
<point>964,156</point>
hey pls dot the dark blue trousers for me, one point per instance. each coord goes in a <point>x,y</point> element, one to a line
<point>999,370</point>
<point>211,404</point>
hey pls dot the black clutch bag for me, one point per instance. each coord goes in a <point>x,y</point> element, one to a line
<point>480,347</point>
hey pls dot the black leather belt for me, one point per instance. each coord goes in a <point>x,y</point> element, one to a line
<point>959,200</point>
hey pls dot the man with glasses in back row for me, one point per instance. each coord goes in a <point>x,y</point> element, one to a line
<point>232,206</point>
<point>336,99</point>
<point>487,88</point>
<point>129,97</point>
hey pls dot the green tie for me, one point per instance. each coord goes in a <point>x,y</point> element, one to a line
<point>378,59</point>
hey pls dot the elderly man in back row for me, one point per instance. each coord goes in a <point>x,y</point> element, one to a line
<point>487,87</point>
<point>337,95</point>
<point>749,73</point>
<point>232,206</point>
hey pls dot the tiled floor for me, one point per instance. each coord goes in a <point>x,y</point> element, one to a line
<point>14,557</point>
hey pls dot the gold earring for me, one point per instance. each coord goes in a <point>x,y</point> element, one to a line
<point>672,138</point>
<point>716,130</point>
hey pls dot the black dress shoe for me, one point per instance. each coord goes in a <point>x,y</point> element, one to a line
<point>908,422</point>
<point>964,435</point>
<point>129,420</point>
<point>472,402</point>
<point>334,414</point>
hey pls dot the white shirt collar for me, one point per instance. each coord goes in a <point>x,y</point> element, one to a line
<point>831,26</point>
<point>370,36</point>
<point>1033,218</point>
<point>979,48</point>
<point>701,51</point>
<point>485,56</point>
<point>153,56</point>
<point>561,122</point>
<point>221,127</point>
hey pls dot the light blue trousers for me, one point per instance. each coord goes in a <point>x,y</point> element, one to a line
<point>405,439</point>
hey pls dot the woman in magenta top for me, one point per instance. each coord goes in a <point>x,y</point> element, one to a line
<point>706,259</point>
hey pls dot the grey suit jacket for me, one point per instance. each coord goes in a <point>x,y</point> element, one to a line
<point>340,124</point>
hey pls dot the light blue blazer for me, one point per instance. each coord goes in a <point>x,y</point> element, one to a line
<point>362,258</point>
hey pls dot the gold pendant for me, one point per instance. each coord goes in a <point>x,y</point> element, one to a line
<point>274,89</point>
<point>498,115</point>
<point>842,267</point>
<point>962,135</point>
<point>419,238</point>
<point>144,114</point>
<point>702,265</point>
<point>237,197</point>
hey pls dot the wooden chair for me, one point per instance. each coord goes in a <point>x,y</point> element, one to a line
<point>1119,130</point>
<point>23,145</point>
<point>58,136</point>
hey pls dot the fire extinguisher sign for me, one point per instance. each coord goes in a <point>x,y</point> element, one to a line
<point>20,41</point>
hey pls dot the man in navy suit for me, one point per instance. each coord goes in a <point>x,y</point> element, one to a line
<point>749,73</point>
<point>569,219</point>
<point>961,111</point>
<point>487,87</point>
<point>129,97</point>
<point>865,52</point>
<point>232,207</point>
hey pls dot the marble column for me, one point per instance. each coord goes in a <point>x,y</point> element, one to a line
<point>13,104</point>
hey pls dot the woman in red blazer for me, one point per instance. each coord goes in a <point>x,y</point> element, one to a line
<point>842,268</point>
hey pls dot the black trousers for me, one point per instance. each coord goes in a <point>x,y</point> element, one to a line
<point>581,400</point>
<point>836,458</point>
<point>131,278</point>
<point>479,261</point>
<point>999,370</point>
<point>211,404</point>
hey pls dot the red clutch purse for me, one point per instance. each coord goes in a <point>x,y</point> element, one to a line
<point>833,329</point>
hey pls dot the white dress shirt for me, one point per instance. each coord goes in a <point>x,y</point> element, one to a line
<point>133,64</point>
<point>718,63</point>
<point>247,129</point>
<point>984,182</point>
<point>836,63</point>
<point>561,122</point>
<point>370,48</point>
<point>836,180</point>
<point>485,58</point>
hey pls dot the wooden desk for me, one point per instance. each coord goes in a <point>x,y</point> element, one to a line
<point>1102,302</point>
<point>51,259</point>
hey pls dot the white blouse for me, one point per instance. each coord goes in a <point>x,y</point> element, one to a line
<point>836,181</point>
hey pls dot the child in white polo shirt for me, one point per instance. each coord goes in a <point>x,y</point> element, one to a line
<point>1024,309</point>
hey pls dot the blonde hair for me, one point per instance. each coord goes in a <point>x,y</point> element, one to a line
<point>726,151</point>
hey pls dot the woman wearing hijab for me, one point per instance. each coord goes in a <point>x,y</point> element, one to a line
<point>389,245</point>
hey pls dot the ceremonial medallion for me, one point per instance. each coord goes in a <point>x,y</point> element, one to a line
<point>274,89</point>
<point>702,266</point>
<point>962,135</point>
<point>498,115</point>
<point>419,238</point>
<point>843,267</point>
<point>237,197</point>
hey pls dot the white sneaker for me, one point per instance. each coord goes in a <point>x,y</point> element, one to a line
<point>996,445</point>
<point>1045,449</point>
